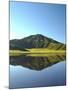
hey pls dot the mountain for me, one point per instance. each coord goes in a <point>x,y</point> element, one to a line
<point>36,41</point>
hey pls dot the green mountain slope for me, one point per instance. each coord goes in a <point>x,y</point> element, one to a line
<point>36,41</point>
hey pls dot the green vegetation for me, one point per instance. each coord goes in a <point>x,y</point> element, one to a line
<point>36,41</point>
<point>35,45</point>
<point>35,52</point>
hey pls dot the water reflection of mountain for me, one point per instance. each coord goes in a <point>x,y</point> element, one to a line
<point>36,63</point>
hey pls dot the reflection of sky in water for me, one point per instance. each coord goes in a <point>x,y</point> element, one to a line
<point>24,77</point>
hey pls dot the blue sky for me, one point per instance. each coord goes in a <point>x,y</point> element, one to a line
<point>37,18</point>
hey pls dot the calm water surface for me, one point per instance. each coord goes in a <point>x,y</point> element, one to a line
<point>26,71</point>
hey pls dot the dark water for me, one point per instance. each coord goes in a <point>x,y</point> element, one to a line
<point>27,71</point>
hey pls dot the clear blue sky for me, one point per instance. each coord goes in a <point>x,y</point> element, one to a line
<point>37,18</point>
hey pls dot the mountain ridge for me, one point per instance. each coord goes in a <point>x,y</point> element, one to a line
<point>36,41</point>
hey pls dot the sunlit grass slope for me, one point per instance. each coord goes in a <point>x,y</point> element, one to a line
<point>36,52</point>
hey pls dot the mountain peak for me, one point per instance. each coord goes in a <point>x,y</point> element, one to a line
<point>38,35</point>
<point>36,41</point>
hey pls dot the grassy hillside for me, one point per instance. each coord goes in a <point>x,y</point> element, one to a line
<point>36,41</point>
<point>36,52</point>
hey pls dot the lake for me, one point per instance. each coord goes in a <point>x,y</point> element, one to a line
<point>37,71</point>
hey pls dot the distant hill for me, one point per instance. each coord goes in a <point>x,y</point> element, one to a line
<point>36,41</point>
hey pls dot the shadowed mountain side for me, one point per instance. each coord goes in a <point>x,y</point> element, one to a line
<point>36,41</point>
<point>36,63</point>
